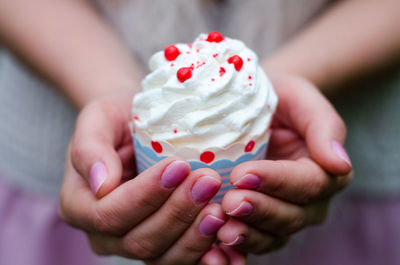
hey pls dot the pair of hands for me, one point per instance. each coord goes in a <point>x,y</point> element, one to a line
<point>162,216</point>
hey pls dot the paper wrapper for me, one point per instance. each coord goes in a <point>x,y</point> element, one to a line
<point>149,152</point>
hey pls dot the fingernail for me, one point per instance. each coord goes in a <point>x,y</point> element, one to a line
<point>174,173</point>
<point>244,209</point>
<point>248,181</point>
<point>341,152</point>
<point>210,225</point>
<point>238,240</point>
<point>98,174</point>
<point>205,188</point>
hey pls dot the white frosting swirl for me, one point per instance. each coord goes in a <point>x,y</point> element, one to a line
<point>212,108</point>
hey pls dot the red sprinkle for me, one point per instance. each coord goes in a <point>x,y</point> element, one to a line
<point>197,50</point>
<point>207,157</point>
<point>188,52</point>
<point>268,106</point>
<point>190,45</point>
<point>136,118</point>
<point>222,71</point>
<point>172,64</point>
<point>248,59</point>
<point>249,146</point>
<point>237,62</point>
<point>171,52</point>
<point>215,55</point>
<point>156,146</point>
<point>249,76</point>
<point>175,131</point>
<point>184,74</point>
<point>201,64</point>
<point>215,36</point>
<point>250,84</point>
<point>213,79</point>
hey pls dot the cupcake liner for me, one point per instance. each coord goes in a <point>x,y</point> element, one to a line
<point>148,153</point>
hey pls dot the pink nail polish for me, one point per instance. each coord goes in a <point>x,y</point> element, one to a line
<point>205,188</point>
<point>249,181</point>
<point>244,209</point>
<point>341,152</point>
<point>210,225</point>
<point>98,174</point>
<point>174,173</point>
<point>238,240</point>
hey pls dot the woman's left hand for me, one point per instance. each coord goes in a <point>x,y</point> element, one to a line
<point>306,166</point>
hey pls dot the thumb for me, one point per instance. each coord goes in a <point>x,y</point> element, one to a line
<point>311,114</point>
<point>99,129</point>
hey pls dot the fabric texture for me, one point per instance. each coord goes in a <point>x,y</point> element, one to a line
<point>32,233</point>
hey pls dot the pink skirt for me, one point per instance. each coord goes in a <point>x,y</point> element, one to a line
<point>32,233</point>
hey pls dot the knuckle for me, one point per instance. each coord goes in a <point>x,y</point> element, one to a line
<point>296,222</point>
<point>139,249</point>
<point>183,214</point>
<point>193,249</point>
<point>151,202</point>
<point>315,188</point>
<point>280,180</point>
<point>103,222</point>
<point>268,213</point>
<point>78,150</point>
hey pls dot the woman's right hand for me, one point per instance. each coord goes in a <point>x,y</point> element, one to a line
<point>161,216</point>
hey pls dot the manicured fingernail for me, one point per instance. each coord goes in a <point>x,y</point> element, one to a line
<point>174,173</point>
<point>248,181</point>
<point>244,209</point>
<point>238,240</point>
<point>98,174</point>
<point>341,152</point>
<point>205,188</point>
<point>210,225</point>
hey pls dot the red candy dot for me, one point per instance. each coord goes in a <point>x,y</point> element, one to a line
<point>156,146</point>
<point>171,52</point>
<point>207,157</point>
<point>175,131</point>
<point>136,118</point>
<point>249,146</point>
<point>222,71</point>
<point>215,36</point>
<point>249,76</point>
<point>237,62</point>
<point>184,74</point>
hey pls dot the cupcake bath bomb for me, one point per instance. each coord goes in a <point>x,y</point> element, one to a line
<point>208,101</point>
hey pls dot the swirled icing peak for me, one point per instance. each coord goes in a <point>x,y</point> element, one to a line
<point>209,93</point>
